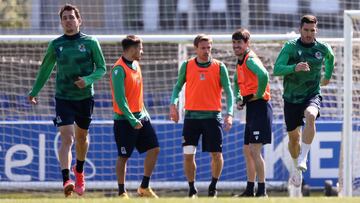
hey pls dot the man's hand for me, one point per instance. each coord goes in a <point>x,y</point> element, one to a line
<point>240,105</point>
<point>228,120</point>
<point>32,100</point>
<point>324,82</point>
<point>80,83</point>
<point>302,66</point>
<point>245,99</point>
<point>174,114</point>
<point>138,125</point>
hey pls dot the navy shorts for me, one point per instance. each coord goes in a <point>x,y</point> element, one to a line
<point>68,112</point>
<point>294,113</point>
<point>127,137</point>
<point>210,129</point>
<point>258,122</point>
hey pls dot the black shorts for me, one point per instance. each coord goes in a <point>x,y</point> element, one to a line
<point>294,113</point>
<point>258,122</point>
<point>68,112</point>
<point>210,129</point>
<point>127,137</point>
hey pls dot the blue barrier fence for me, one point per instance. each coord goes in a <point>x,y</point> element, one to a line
<point>28,152</point>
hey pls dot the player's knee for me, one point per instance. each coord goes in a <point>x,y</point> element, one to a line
<point>81,139</point>
<point>311,113</point>
<point>246,151</point>
<point>217,156</point>
<point>189,149</point>
<point>255,150</point>
<point>67,140</point>
<point>310,118</point>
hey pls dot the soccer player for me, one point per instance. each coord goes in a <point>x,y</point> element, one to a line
<point>80,62</point>
<point>300,62</point>
<point>205,78</point>
<point>132,126</point>
<point>251,88</point>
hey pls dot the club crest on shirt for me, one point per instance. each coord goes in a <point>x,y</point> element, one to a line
<point>299,52</point>
<point>202,76</point>
<point>318,55</point>
<point>82,48</point>
<point>58,51</point>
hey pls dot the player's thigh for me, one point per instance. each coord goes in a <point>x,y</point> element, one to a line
<point>313,107</point>
<point>212,135</point>
<point>191,132</point>
<point>65,113</point>
<point>125,137</point>
<point>294,114</point>
<point>247,133</point>
<point>84,110</point>
<point>147,138</point>
<point>259,122</point>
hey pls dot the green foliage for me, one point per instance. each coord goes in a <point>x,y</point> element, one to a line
<point>14,13</point>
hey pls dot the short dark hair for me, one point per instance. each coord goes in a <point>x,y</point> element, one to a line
<point>202,37</point>
<point>69,7</point>
<point>129,41</point>
<point>308,19</point>
<point>241,34</point>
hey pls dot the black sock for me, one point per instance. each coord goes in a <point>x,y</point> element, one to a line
<point>79,166</point>
<point>212,185</point>
<point>192,188</point>
<point>121,188</point>
<point>65,175</point>
<point>250,187</point>
<point>261,188</point>
<point>145,182</point>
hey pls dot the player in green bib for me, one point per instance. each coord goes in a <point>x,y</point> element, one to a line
<point>300,62</point>
<point>80,62</point>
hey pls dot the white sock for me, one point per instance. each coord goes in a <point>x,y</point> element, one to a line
<point>305,148</point>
